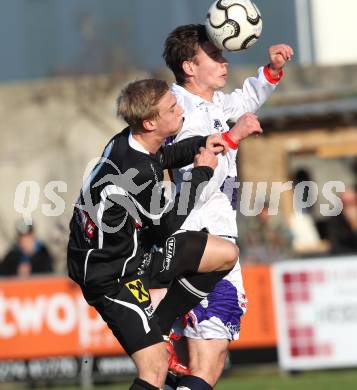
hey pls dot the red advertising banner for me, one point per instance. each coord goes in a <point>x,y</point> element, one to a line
<point>48,316</point>
<point>44,317</point>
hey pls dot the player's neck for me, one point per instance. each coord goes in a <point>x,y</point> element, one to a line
<point>202,91</point>
<point>149,142</point>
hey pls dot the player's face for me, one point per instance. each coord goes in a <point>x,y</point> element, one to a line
<point>170,119</point>
<point>210,67</point>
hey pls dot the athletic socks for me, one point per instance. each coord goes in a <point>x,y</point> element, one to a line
<point>140,384</point>
<point>193,382</point>
<point>171,381</point>
<point>184,294</point>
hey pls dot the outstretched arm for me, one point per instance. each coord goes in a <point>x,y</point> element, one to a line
<point>256,90</point>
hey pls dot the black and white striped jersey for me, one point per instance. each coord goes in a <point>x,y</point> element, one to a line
<point>123,201</point>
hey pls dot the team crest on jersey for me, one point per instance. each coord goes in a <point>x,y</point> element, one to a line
<point>217,125</point>
<point>136,287</point>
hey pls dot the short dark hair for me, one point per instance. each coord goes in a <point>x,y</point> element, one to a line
<point>182,45</point>
<point>139,100</point>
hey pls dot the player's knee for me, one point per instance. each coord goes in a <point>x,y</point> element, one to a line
<point>232,256</point>
<point>161,365</point>
<point>219,366</point>
<point>216,369</point>
<point>158,373</point>
<point>209,367</point>
<point>155,369</point>
<point>210,373</point>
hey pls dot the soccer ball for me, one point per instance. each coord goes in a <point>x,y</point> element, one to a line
<point>233,24</point>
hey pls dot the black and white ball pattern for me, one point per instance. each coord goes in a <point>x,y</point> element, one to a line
<point>234,24</point>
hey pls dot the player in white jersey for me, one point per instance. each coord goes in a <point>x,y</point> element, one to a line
<point>201,71</point>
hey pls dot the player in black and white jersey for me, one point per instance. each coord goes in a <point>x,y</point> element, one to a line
<point>122,206</point>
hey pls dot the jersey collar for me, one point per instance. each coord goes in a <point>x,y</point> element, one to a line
<point>133,143</point>
<point>197,99</point>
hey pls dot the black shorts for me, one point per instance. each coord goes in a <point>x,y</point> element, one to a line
<point>181,255</point>
<point>129,314</point>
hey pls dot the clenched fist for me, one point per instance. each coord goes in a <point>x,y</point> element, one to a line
<point>278,55</point>
<point>216,144</point>
<point>246,125</point>
<point>205,158</point>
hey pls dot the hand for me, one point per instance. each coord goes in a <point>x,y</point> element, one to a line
<point>278,55</point>
<point>216,144</point>
<point>246,125</point>
<point>205,158</point>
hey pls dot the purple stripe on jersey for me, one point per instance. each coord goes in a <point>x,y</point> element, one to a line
<point>223,304</point>
<point>229,188</point>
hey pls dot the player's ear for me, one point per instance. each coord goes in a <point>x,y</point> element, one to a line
<point>187,67</point>
<point>149,124</point>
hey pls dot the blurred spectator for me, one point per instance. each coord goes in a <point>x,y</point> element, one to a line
<point>342,229</point>
<point>306,239</point>
<point>264,238</point>
<point>28,255</point>
<point>302,175</point>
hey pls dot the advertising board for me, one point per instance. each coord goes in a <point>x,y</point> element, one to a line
<point>316,312</point>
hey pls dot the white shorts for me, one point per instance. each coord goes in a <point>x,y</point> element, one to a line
<point>219,315</point>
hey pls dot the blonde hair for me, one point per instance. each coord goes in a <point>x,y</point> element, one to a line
<point>138,101</point>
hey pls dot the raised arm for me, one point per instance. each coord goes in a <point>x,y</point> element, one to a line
<point>256,90</point>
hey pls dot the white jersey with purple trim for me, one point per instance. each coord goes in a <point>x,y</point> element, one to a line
<point>218,316</point>
<point>215,209</point>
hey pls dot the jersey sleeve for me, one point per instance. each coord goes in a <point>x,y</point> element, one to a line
<point>181,153</point>
<point>254,93</point>
<point>161,215</point>
<point>184,201</point>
